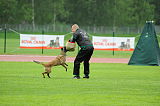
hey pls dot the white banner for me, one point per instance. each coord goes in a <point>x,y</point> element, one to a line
<point>116,43</point>
<point>39,41</point>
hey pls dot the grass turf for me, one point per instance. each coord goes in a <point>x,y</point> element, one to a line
<point>109,85</point>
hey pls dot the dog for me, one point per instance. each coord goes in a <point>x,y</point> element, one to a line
<point>59,60</point>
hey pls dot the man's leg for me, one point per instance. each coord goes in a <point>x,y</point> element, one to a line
<point>79,58</point>
<point>76,67</point>
<point>86,68</point>
<point>86,62</point>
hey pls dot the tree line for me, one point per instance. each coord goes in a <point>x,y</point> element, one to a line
<point>83,12</point>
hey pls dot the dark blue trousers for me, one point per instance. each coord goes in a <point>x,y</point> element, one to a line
<point>84,56</point>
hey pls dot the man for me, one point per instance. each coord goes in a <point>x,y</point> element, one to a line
<point>85,52</point>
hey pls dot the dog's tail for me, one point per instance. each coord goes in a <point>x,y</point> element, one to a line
<point>37,62</point>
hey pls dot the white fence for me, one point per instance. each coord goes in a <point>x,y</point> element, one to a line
<point>66,28</point>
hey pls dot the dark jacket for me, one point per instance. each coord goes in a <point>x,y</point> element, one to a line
<point>82,39</point>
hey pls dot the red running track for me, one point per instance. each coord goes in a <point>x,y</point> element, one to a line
<point>29,58</point>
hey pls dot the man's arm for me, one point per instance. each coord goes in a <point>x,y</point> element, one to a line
<point>74,38</point>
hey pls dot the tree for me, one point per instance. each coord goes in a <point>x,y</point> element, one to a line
<point>141,12</point>
<point>156,3</point>
<point>24,11</point>
<point>7,11</point>
<point>49,11</point>
<point>83,12</point>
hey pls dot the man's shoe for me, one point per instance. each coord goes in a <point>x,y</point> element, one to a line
<point>76,77</point>
<point>86,76</point>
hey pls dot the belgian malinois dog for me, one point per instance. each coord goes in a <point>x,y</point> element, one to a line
<point>59,60</point>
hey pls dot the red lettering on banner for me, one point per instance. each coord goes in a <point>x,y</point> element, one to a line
<point>110,44</point>
<point>98,43</point>
<point>104,40</point>
<point>33,38</point>
<point>33,42</point>
<point>26,41</point>
<point>39,42</point>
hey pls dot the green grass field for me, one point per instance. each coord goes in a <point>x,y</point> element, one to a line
<point>111,84</point>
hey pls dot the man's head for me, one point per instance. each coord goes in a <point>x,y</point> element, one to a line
<point>74,27</point>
